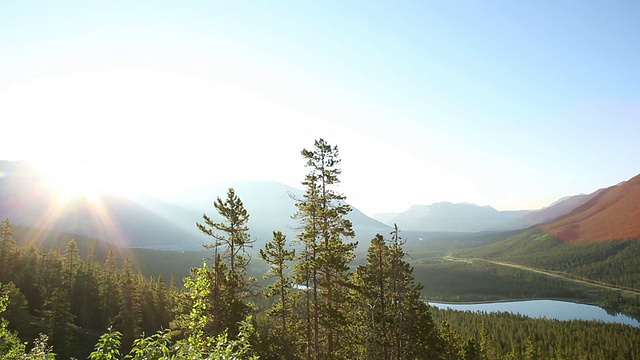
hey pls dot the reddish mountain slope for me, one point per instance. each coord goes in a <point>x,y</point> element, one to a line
<point>558,209</point>
<point>614,213</point>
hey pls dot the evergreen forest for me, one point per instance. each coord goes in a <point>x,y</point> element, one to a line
<point>314,301</point>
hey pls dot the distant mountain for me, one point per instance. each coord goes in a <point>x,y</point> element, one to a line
<point>462,217</point>
<point>270,205</point>
<point>611,213</point>
<point>27,200</point>
<point>557,209</point>
<point>386,218</point>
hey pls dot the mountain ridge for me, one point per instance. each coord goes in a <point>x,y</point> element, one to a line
<point>462,217</point>
<point>611,213</point>
<point>27,200</point>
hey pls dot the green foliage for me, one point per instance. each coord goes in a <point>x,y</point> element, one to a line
<point>7,250</point>
<point>614,262</point>
<point>41,350</point>
<point>10,345</point>
<point>394,322</point>
<point>503,335</point>
<point>17,309</point>
<point>322,267</point>
<point>612,265</point>
<point>70,299</point>
<point>128,320</point>
<point>232,234</point>
<point>108,346</point>
<point>482,281</point>
<point>284,320</point>
<point>155,347</point>
<point>11,348</point>
<point>229,284</point>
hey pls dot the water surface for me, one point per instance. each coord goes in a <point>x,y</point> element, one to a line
<point>550,309</point>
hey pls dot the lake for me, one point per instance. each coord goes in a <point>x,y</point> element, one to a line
<point>550,309</point>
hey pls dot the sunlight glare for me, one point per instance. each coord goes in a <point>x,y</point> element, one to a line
<point>74,181</point>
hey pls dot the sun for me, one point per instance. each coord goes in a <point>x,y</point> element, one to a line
<point>71,181</point>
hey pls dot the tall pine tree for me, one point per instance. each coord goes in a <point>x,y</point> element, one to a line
<point>284,325</point>
<point>229,283</point>
<point>323,264</point>
<point>7,250</point>
<point>395,322</point>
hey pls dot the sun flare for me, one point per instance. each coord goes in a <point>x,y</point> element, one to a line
<point>70,182</point>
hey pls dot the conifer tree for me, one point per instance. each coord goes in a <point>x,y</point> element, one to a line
<point>281,338</point>
<point>86,303</point>
<point>233,235</point>
<point>129,318</point>
<point>72,263</point>
<point>227,277</point>
<point>323,264</point>
<point>7,249</point>
<point>397,323</point>
<point>58,318</point>
<point>109,289</point>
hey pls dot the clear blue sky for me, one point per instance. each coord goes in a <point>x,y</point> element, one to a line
<point>503,103</point>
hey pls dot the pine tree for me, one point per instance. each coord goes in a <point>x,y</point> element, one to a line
<point>71,265</point>
<point>282,312</point>
<point>110,291</point>
<point>7,250</point>
<point>129,318</point>
<point>323,264</point>
<point>234,238</point>
<point>397,324</point>
<point>374,284</point>
<point>227,277</point>
<point>86,302</point>
<point>59,319</point>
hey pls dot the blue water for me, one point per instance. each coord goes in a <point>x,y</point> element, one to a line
<point>550,309</point>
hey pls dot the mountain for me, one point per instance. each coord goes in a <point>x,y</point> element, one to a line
<point>27,200</point>
<point>557,209</point>
<point>169,223</point>
<point>270,205</point>
<point>611,213</point>
<point>462,217</point>
<point>386,218</point>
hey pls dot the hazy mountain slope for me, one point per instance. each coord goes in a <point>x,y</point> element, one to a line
<point>557,209</point>
<point>613,213</point>
<point>270,204</point>
<point>27,200</point>
<point>386,218</point>
<point>170,223</point>
<point>464,217</point>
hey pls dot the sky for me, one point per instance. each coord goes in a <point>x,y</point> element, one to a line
<point>502,103</point>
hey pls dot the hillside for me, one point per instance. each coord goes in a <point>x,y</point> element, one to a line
<point>557,209</point>
<point>613,262</point>
<point>27,200</point>
<point>613,213</point>
<point>270,205</point>
<point>462,217</point>
<point>169,223</point>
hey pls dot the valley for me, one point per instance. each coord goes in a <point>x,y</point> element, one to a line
<point>508,258</point>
